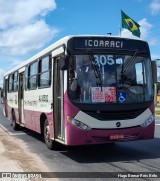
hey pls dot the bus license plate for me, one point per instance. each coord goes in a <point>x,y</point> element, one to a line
<point>116,136</point>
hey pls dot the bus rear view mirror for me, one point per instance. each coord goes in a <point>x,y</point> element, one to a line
<point>154,71</point>
<point>63,63</point>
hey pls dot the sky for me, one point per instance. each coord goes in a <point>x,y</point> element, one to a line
<point>27,27</point>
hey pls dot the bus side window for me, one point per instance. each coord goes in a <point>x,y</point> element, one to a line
<point>44,77</point>
<point>15,82</point>
<point>32,75</point>
<point>26,77</point>
<point>10,83</point>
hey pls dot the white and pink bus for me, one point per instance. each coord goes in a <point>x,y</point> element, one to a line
<point>84,90</point>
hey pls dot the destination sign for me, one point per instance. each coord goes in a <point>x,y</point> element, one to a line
<point>103,43</point>
<point>98,43</point>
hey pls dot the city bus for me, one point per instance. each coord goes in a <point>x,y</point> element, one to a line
<point>83,90</point>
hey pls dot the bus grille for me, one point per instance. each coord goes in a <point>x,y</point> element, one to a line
<point>115,115</point>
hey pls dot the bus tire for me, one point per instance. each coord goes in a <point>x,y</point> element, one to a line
<point>49,143</point>
<point>14,124</point>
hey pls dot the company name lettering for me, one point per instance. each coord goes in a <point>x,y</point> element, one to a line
<point>104,43</point>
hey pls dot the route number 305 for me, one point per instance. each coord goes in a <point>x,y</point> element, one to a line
<point>103,60</point>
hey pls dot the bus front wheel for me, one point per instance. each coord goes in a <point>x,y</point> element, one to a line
<point>50,143</point>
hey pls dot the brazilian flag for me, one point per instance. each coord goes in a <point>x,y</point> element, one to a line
<point>130,24</point>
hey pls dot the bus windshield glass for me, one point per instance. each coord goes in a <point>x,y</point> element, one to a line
<point>107,78</point>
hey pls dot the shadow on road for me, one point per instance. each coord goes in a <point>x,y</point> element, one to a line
<point>126,152</point>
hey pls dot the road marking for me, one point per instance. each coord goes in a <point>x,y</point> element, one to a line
<point>14,134</point>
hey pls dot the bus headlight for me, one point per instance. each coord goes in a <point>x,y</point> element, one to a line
<point>78,124</point>
<point>148,121</point>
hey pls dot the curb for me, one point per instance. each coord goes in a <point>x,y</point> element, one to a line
<point>9,133</point>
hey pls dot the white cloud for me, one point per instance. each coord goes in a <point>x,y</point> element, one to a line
<point>22,24</point>
<point>16,62</point>
<point>154,56</point>
<point>127,34</point>
<point>155,7</point>
<point>145,28</point>
<point>2,72</point>
<point>21,12</point>
<point>153,41</point>
<point>20,40</point>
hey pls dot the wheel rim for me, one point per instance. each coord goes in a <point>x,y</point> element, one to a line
<point>47,135</point>
<point>13,123</point>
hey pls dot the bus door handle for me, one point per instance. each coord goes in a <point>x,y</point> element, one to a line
<point>58,97</point>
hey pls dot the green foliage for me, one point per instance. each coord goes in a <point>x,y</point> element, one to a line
<point>157,112</point>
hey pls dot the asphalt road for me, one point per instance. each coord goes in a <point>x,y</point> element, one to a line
<point>136,156</point>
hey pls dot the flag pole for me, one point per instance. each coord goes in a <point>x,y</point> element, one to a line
<point>120,29</point>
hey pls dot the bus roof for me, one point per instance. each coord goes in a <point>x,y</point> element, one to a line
<point>63,40</point>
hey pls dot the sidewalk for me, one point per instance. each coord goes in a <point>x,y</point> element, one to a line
<point>7,164</point>
<point>16,157</point>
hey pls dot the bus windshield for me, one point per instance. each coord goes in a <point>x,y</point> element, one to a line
<point>108,78</point>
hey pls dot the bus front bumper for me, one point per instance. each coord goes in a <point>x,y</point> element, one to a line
<point>76,136</point>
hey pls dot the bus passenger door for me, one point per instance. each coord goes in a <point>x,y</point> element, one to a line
<point>21,98</point>
<point>58,100</point>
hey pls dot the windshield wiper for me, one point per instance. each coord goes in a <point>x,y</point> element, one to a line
<point>97,72</point>
<point>130,61</point>
<point>128,65</point>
